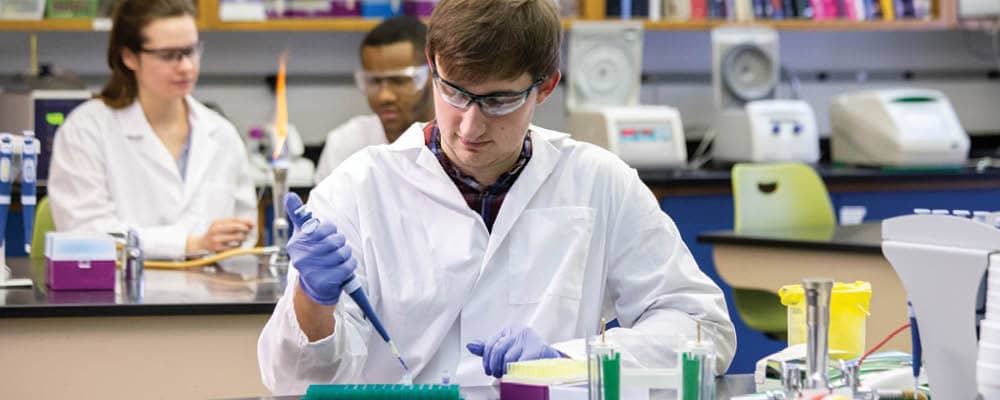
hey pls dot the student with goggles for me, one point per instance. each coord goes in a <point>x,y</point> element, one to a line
<point>482,239</point>
<point>148,156</point>
<point>395,79</point>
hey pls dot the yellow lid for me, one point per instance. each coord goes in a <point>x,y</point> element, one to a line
<point>858,292</point>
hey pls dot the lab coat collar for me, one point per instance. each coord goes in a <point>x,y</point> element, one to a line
<point>544,157</point>
<point>432,178</point>
<point>136,127</point>
<point>204,126</point>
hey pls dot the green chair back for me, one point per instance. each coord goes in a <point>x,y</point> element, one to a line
<point>775,196</point>
<point>43,224</point>
<point>779,196</point>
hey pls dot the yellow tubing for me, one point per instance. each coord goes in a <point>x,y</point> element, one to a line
<point>201,262</point>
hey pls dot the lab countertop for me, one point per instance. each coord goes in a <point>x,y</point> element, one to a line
<point>239,285</point>
<point>863,238</point>
<point>725,387</point>
<point>712,175</point>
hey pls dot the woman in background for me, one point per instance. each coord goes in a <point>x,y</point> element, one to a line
<point>148,156</point>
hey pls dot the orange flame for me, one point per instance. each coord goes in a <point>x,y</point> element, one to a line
<point>281,108</point>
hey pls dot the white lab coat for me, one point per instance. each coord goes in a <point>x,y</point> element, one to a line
<point>110,171</point>
<point>355,134</point>
<point>578,237</point>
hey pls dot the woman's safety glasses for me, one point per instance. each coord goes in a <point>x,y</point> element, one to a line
<point>172,55</point>
<point>493,104</point>
<point>407,80</point>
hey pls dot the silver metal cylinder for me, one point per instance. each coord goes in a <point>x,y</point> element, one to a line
<point>280,229</point>
<point>133,265</point>
<point>817,292</point>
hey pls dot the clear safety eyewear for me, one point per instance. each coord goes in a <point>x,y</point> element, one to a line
<point>172,55</point>
<point>406,80</point>
<point>493,104</point>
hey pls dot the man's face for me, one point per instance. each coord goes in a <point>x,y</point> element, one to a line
<point>480,144</point>
<point>395,99</point>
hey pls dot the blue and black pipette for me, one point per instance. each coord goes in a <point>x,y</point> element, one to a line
<point>352,285</point>
<point>29,163</point>
<point>917,350</point>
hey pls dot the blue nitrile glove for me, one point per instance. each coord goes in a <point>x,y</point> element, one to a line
<point>321,255</point>
<point>513,343</point>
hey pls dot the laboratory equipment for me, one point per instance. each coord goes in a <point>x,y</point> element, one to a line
<point>279,163</point>
<point>605,61</point>
<point>29,164</point>
<point>941,260</point>
<point>352,286</point>
<point>132,265</point>
<point>750,124</point>
<point>40,111</point>
<point>698,372</point>
<point>918,353</point>
<point>818,293</point>
<point>767,131</point>
<point>903,127</point>
<point>642,136</point>
<point>280,228</point>
<point>849,304</point>
<point>261,142</point>
<point>6,181</point>
<point>377,392</point>
<point>531,380</point>
<point>79,261</point>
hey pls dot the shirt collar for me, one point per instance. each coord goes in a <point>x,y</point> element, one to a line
<point>432,139</point>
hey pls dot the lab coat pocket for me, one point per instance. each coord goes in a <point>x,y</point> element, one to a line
<point>548,253</point>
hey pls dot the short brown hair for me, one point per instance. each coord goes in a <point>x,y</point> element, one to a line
<point>495,39</point>
<point>128,20</point>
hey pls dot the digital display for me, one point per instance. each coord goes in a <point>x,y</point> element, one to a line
<point>636,133</point>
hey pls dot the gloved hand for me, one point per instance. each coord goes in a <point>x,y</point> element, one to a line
<point>321,255</point>
<point>513,343</point>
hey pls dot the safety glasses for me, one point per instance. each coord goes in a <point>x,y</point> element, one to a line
<point>493,104</point>
<point>172,55</point>
<point>407,80</point>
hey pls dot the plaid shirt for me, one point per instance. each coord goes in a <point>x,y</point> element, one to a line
<point>485,201</point>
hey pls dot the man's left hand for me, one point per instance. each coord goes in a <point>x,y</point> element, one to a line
<point>513,343</point>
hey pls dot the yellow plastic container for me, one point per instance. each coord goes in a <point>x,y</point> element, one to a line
<point>848,311</point>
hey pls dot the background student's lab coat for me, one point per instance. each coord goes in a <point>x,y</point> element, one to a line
<point>355,134</point>
<point>579,237</point>
<point>110,171</point>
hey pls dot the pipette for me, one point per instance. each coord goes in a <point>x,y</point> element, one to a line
<point>29,162</point>
<point>917,349</point>
<point>353,288</point>
<point>6,157</point>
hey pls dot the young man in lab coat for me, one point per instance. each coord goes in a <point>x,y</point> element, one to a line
<point>482,239</point>
<point>394,77</point>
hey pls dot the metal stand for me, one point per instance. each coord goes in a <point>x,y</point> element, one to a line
<point>5,280</point>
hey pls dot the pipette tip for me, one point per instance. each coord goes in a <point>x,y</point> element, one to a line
<point>406,370</point>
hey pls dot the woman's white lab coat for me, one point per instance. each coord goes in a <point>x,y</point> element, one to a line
<point>110,171</point>
<point>579,237</point>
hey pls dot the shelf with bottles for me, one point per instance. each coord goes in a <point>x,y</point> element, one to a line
<point>67,15</point>
<point>941,14</point>
<point>782,14</point>
<point>804,25</point>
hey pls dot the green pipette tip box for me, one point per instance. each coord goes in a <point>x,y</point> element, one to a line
<point>382,391</point>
